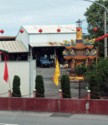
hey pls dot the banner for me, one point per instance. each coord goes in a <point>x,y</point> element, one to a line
<point>56,73</point>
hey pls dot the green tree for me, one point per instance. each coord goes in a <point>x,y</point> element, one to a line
<point>94,15</point>
<point>96,76</point>
<point>80,70</point>
<point>16,87</point>
<point>94,81</point>
<point>102,68</point>
<point>65,86</point>
<point>39,86</point>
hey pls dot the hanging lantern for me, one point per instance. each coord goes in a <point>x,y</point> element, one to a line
<point>78,29</point>
<point>106,35</point>
<point>1,31</point>
<point>95,29</point>
<point>21,31</point>
<point>58,30</point>
<point>0,53</point>
<point>40,30</point>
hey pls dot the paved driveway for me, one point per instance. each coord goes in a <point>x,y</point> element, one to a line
<point>51,91</point>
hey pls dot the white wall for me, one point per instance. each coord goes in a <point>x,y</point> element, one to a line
<point>25,70</point>
<point>23,37</point>
<point>45,38</point>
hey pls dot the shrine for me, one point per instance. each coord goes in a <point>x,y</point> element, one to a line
<point>80,51</point>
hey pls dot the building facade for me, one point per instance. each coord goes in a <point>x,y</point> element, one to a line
<point>46,40</point>
<point>24,51</point>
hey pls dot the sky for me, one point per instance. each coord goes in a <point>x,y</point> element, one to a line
<point>15,13</point>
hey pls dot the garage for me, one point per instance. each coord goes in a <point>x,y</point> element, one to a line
<point>46,40</point>
<point>49,52</point>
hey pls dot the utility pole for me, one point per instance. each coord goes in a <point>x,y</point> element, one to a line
<point>105,32</point>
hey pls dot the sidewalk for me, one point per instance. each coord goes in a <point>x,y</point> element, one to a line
<point>50,118</point>
<point>55,114</point>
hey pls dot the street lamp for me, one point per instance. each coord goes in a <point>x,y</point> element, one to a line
<point>105,24</point>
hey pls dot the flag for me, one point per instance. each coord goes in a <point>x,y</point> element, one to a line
<point>56,73</point>
<point>5,71</point>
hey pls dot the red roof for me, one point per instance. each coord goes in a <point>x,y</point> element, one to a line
<point>67,57</point>
<point>80,57</point>
<point>90,46</point>
<point>80,46</point>
<point>91,57</point>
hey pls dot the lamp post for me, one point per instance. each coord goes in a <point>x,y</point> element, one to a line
<point>105,24</point>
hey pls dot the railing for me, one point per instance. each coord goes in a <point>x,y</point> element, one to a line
<point>55,105</point>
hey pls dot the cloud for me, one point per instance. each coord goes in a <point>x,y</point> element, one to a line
<point>14,13</point>
<point>26,19</point>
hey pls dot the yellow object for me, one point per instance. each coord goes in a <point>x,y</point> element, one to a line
<point>56,73</point>
<point>79,34</point>
<point>76,78</point>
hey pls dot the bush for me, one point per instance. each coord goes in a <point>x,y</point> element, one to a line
<point>65,86</point>
<point>102,69</point>
<point>94,81</point>
<point>80,70</point>
<point>96,76</point>
<point>16,87</point>
<point>39,86</point>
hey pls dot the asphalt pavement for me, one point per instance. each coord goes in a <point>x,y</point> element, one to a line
<point>37,118</point>
<point>51,90</point>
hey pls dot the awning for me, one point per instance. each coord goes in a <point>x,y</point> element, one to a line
<point>48,44</point>
<point>13,46</point>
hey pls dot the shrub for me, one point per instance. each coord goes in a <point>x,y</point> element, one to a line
<point>65,86</point>
<point>80,70</point>
<point>16,87</point>
<point>96,76</point>
<point>94,80</point>
<point>102,69</point>
<point>39,86</point>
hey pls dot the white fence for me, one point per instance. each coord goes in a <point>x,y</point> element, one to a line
<point>26,70</point>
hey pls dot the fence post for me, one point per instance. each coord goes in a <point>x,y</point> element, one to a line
<point>87,106</point>
<point>60,94</point>
<point>79,89</point>
<point>88,94</point>
<point>34,93</point>
<point>9,93</point>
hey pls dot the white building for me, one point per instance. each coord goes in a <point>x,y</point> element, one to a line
<point>18,64</point>
<point>46,39</point>
<point>49,36</point>
<point>32,42</point>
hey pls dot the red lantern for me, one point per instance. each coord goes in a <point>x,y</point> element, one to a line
<point>2,31</point>
<point>58,30</point>
<point>106,35</point>
<point>103,36</point>
<point>95,29</point>
<point>40,30</point>
<point>0,53</point>
<point>78,29</point>
<point>21,31</point>
<point>98,39</point>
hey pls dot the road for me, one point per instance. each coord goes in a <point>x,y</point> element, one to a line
<point>32,118</point>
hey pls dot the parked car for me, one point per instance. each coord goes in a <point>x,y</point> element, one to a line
<point>45,61</point>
